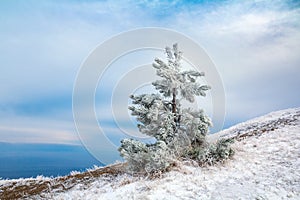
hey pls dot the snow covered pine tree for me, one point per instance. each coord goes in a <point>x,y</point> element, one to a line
<point>179,132</point>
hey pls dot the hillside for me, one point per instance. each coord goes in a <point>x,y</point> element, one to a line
<point>266,166</point>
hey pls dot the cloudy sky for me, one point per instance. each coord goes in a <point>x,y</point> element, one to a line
<point>255,46</point>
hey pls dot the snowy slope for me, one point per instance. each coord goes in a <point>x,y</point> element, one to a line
<point>266,166</point>
<point>259,125</point>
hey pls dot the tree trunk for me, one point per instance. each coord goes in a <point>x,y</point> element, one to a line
<point>174,110</point>
<point>174,101</point>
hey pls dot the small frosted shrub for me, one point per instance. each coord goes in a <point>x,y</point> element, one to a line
<point>149,158</point>
<point>210,154</point>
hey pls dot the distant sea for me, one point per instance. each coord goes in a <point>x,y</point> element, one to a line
<point>31,160</point>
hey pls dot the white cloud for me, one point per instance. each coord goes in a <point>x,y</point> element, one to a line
<point>37,130</point>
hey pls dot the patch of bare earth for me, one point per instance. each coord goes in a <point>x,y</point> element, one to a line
<point>28,188</point>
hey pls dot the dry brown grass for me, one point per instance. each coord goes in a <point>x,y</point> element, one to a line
<point>30,188</point>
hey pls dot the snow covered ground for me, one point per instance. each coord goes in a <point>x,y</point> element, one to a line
<point>266,166</point>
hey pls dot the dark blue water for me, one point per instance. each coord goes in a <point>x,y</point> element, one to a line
<point>30,160</point>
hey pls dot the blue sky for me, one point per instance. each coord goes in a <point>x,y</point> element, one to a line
<point>255,46</point>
